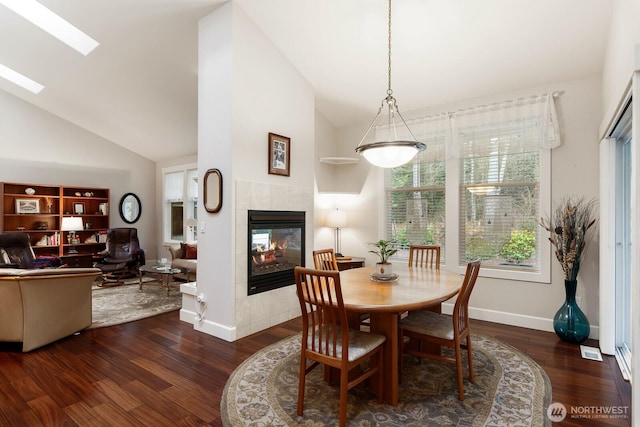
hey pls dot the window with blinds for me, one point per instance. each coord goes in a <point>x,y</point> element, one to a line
<point>479,188</point>
<point>415,199</point>
<point>500,195</point>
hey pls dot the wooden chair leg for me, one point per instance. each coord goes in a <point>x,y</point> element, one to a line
<point>470,358</point>
<point>301,381</point>
<point>459,369</point>
<point>380,379</point>
<point>344,382</point>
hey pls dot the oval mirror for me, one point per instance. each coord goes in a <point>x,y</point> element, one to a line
<point>213,190</point>
<point>130,208</point>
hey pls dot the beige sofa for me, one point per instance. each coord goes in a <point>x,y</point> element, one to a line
<point>38,307</point>
<point>178,260</point>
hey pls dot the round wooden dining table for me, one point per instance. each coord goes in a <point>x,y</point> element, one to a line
<point>415,288</point>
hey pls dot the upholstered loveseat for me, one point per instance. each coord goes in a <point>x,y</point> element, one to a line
<point>38,307</point>
<point>185,257</point>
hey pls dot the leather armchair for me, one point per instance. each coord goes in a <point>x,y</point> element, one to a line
<point>123,254</point>
<point>16,251</point>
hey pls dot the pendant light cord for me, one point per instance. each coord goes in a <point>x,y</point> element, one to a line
<point>389,91</point>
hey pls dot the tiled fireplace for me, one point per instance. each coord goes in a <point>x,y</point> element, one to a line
<point>276,245</point>
<point>262,310</point>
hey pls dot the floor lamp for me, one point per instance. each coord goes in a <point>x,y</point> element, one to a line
<point>337,219</point>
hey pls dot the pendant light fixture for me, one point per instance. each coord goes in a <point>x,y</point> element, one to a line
<point>394,143</point>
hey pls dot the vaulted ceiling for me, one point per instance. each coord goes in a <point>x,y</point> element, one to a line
<point>139,87</point>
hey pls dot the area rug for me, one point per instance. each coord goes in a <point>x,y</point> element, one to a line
<point>126,303</point>
<point>510,389</point>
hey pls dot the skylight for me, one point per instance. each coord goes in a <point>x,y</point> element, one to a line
<point>20,80</point>
<point>42,17</point>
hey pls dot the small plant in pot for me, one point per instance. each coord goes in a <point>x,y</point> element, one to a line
<point>385,249</point>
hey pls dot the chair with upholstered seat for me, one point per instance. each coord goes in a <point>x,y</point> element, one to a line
<point>325,259</point>
<point>122,255</point>
<point>424,256</point>
<point>328,340</point>
<point>424,326</point>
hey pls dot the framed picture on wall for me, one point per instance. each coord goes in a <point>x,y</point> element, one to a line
<point>279,154</point>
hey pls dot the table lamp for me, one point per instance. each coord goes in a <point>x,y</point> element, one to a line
<point>71,224</point>
<point>337,219</point>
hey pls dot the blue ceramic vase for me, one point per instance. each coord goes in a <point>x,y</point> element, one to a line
<point>570,323</point>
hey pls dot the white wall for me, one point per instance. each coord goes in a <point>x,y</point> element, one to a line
<point>246,90</point>
<point>574,171</point>
<point>624,36</point>
<point>38,147</point>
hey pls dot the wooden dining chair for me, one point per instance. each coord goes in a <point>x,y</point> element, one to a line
<point>424,256</point>
<point>424,326</point>
<point>325,259</point>
<point>328,340</point>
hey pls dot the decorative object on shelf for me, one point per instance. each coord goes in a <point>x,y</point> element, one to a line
<point>130,208</point>
<point>337,219</point>
<point>30,191</point>
<point>385,249</point>
<point>279,154</point>
<point>27,206</point>
<point>212,190</point>
<point>103,208</point>
<point>41,225</point>
<point>78,208</point>
<point>49,202</point>
<point>88,194</point>
<point>568,227</point>
<point>394,144</point>
<point>78,194</point>
<point>44,241</point>
<point>71,224</point>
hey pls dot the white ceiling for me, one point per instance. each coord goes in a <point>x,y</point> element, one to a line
<point>139,87</point>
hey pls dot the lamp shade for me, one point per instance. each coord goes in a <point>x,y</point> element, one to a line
<point>71,223</point>
<point>389,154</point>
<point>337,219</point>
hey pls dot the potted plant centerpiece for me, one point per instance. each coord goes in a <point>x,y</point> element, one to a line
<point>568,228</point>
<point>385,249</point>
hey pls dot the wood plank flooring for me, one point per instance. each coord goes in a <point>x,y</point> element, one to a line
<point>160,372</point>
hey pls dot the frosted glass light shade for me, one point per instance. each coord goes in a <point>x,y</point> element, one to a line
<point>389,154</point>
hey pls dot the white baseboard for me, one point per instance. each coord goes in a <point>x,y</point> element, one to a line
<point>514,319</point>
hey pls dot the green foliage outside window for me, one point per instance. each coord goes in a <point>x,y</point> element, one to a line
<point>521,246</point>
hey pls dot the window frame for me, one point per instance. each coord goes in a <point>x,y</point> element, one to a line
<point>189,232</point>
<point>453,185</point>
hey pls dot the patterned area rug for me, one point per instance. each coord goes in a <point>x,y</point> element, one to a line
<point>510,390</point>
<point>126,303</point>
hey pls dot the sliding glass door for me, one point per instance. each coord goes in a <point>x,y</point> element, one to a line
<point>623,233</point>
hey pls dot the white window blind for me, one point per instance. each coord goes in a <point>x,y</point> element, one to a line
<point>415,192</point>
<point>500,147</point>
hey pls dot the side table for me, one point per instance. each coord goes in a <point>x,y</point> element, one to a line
<point>162,272</point>
<point>347,263</point>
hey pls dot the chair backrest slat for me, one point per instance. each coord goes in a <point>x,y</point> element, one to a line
<point>424,256</point>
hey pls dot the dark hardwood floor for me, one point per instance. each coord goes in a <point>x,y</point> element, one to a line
<point>160,372</point>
